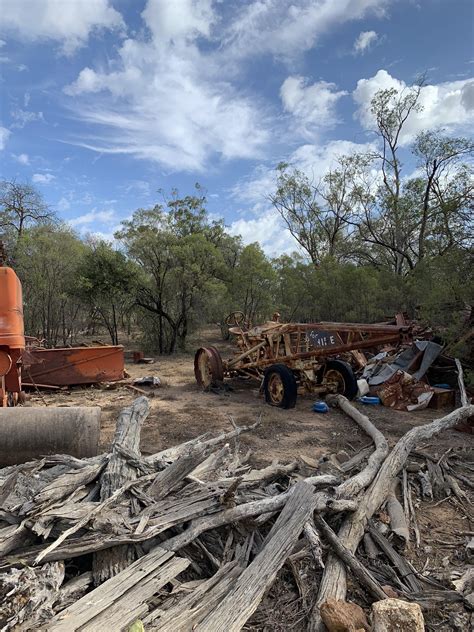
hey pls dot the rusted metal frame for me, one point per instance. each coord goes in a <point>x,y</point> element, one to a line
<point>240,357</point>
<point>341,327</point>
<point>329,351</point>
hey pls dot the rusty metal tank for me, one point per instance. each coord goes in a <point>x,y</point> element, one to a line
<point>12,333</point>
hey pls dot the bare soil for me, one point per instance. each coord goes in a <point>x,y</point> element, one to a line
<point>181,411</point>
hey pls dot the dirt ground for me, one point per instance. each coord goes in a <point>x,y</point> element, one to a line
<point>181,411</point>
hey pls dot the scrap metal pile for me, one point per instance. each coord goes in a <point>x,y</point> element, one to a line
<point>193,538</point>
<point>395,361</point>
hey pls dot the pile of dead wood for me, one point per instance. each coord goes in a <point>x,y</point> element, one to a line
<point>193,538</point>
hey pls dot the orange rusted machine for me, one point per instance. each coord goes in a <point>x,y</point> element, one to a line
<point>12,337</point>
<point>291,357</point>
<point>27,433</point>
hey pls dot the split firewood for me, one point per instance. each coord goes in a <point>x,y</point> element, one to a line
<point>201,501</point>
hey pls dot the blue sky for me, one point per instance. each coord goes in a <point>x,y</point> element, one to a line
<point>103,102</point>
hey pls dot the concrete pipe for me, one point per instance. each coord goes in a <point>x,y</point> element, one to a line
<point>29,433</point>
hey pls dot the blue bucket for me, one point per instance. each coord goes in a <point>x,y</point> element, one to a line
<point>372,401</point>
<point>320,407</point>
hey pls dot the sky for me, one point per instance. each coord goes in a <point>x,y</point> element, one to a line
<point>106,102</point>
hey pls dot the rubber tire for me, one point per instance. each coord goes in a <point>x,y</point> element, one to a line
<point>350,380</point>
<point>290,388</point>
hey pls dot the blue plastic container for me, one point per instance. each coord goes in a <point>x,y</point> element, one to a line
<point>372,401</point>
<point>320,407</point>
<point>441,385</point>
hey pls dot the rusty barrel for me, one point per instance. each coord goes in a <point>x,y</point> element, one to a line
<point>29,433</point>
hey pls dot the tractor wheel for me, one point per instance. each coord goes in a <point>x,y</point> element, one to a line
<point>340,373</point>
<point>279,386</point>
<point>208,368</point>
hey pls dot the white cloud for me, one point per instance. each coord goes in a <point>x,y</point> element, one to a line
<point>71,25</point>
<point>180,19</point>
<point>23,117</point>
<point>312,105</point>
<point>23,159</point>
<point>288,28</point>
<point>165,100</point>
<point>365,41</point>
<point>448,105</point>
<point>63,205</point>
<point>43,178</point>
<point>268,229</point>
<point>4,134</point>
<point>142,187</point>
<point>94,217</point>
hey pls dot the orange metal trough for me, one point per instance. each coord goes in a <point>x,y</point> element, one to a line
<point>76,365</point>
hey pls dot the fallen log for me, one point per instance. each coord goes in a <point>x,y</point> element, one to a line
<point>355,484</point>
<point>333,583</point>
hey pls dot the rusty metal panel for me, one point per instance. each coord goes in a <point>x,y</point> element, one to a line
<point>75,365</point>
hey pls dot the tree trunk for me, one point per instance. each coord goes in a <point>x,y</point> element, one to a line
<point>108,563</point>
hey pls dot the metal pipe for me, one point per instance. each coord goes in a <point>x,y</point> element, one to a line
<point>29,433</point>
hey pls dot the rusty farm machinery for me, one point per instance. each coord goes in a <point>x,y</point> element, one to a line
<point>287,358</point>
<point>29,432</point>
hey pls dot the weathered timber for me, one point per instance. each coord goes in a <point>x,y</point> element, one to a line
<point>109,562</point>
<point>314,539</point>
<point>73,590</point>
<point>193,608</point>
<point>355,484</point>
<point>94,512</point>
<point>365,576</point>
<point>12,537</point>
<point>405,570</point>
<point>119,601</point>
<point>169,478</point>
<point>243,598</point>
<point>323,502</point>
<point>333,583</point>
<point>66,484</point>
<point>28,595</point>
<point>462,387</point>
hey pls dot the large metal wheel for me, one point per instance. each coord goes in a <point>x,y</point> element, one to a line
<point>340,378</point>
<point>235,319</point>
<point>279,386</point>
<point>208,368</point>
